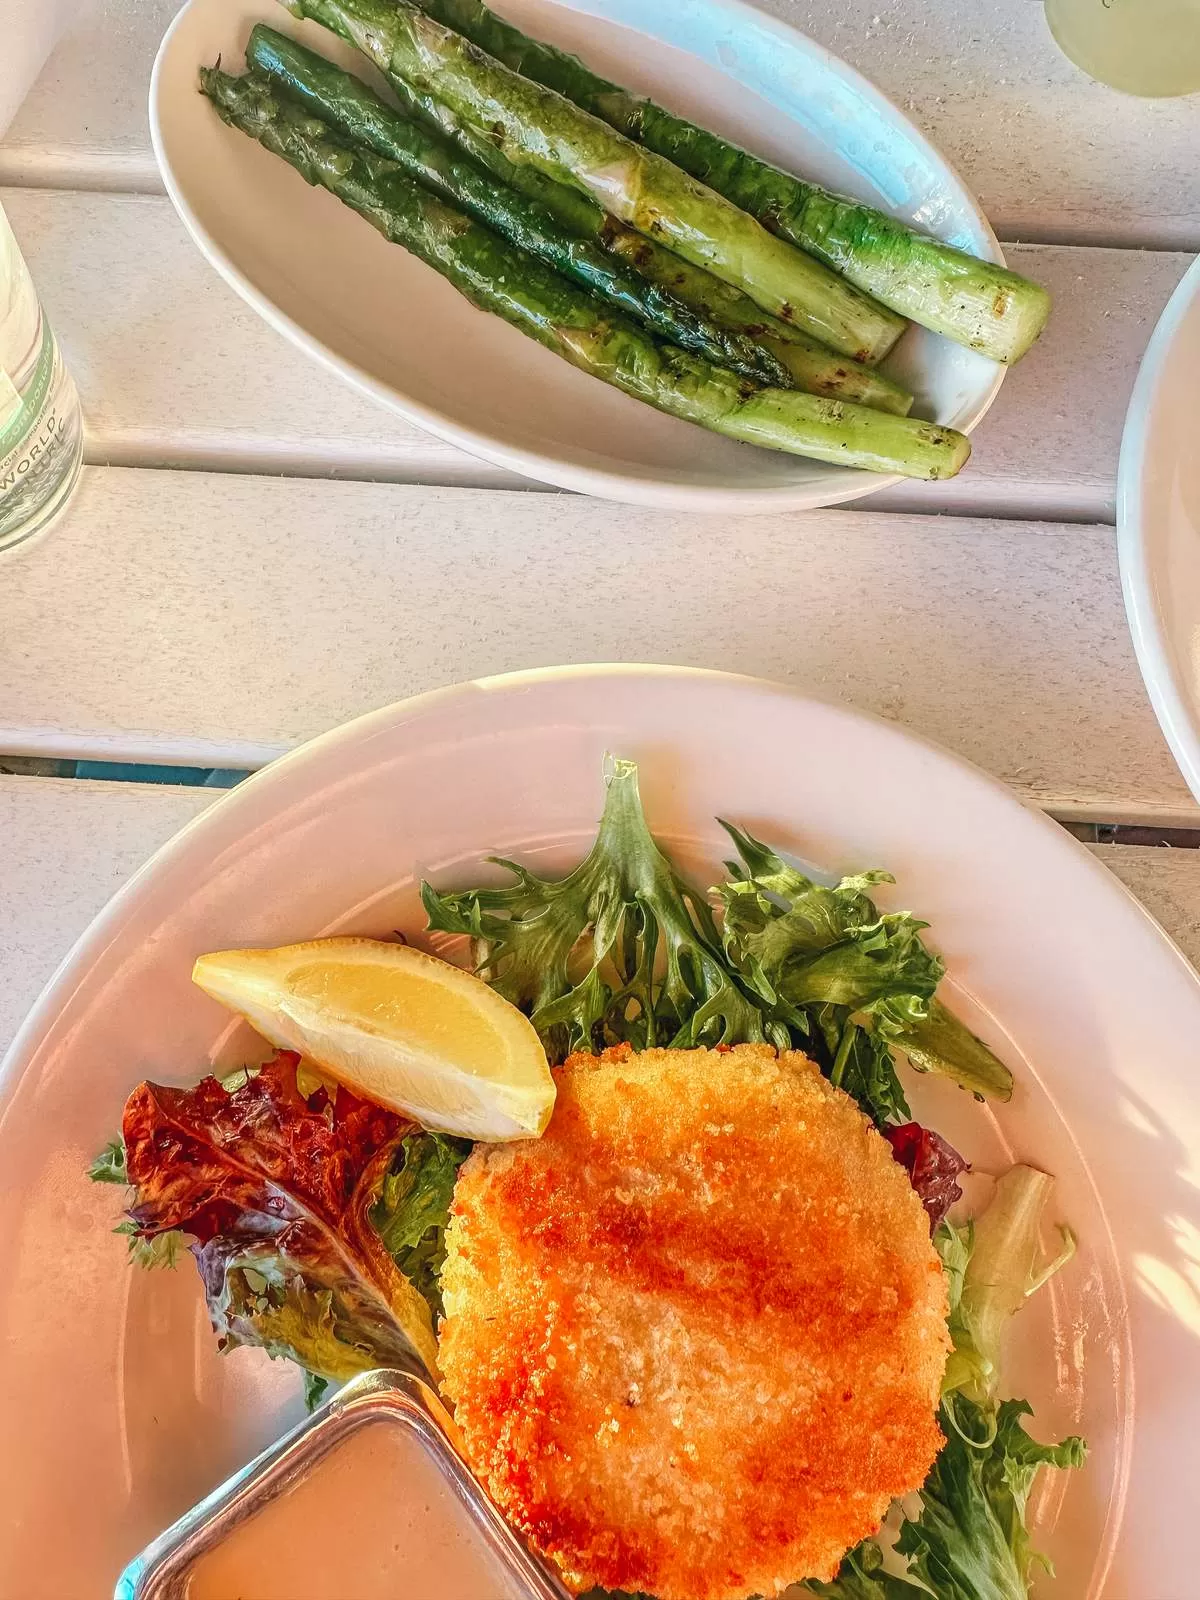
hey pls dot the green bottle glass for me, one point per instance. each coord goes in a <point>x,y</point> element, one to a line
<point>41,430</point>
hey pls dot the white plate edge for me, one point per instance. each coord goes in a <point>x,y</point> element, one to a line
<point>1178,719</point>
<point>108,918</point>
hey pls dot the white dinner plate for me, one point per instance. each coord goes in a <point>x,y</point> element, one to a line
<point>119,1412</point>
<point>1158,523</point>
<point>392,327</point>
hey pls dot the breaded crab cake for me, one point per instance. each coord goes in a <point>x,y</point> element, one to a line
<point>695,1333</point>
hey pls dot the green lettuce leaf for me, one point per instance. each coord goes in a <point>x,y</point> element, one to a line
<point>858,1060</point>
<point>413,1208</point>
<point>109,1165</point>
<point>303,1298</point>
<point>160,1250</point>
<point>622,949</point>
<point>797,944</point>
<point>812,945</point>
<point>863,1576</point>
<point>992,1266</point>
<point>970,1541</point>
<point>315,1390</point>
<point>939,1043</point>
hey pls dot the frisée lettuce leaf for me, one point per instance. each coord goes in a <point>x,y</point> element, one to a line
<point>863,1576</point>
<point>315,1389</point>
<point>938,1042</point>
<point>651,973</point>
<point>807,944</point>
<point>798,943</point>
<point>970,1541</point>
<point>413,1207</point>
<point>109,1165</point>
<point>160,1250</point>
<point>856,1059</point>
<point>625,950</point>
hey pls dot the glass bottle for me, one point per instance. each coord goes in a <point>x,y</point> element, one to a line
<point>41,429</point>
<point>1146,47</point>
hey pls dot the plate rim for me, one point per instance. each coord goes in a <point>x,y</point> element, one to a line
<point>37,1019</point>
<point>655,491</point>
<point>1178,714</point>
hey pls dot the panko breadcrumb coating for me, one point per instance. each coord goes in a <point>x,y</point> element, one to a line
<point>695,1333</point>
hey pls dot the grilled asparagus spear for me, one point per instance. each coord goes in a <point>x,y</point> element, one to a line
<point>974,302</point>
<point>537,127</point>
<point>677,300</point>
<point>498,277</point>
<point>361,117</point>
<point>810,365</point>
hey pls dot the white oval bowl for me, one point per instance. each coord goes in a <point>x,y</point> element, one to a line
<point>122,1409</point>
<point>1158,523</point>
<point>393,328</point>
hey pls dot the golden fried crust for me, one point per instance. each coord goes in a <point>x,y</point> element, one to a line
<point>695,1333</point>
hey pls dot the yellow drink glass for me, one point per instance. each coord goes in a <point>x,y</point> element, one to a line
<point>1146,47</point>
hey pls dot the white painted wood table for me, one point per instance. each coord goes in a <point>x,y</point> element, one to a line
<point>214,596</point>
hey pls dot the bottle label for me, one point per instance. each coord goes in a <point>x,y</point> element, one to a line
<point>31,426</point>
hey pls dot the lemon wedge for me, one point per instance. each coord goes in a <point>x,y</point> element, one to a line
<point>397,1026</point>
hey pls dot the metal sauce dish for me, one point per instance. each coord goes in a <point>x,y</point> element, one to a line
<point>397,1397</point>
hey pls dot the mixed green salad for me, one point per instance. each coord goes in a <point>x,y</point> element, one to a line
<point>317,1218</point>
